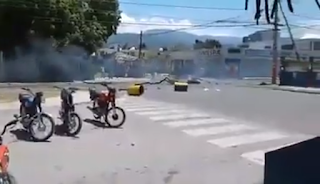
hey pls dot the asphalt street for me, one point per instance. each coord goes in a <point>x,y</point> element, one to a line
<point>141,152</point>
<point>145,151</point>
<point>297,112</point>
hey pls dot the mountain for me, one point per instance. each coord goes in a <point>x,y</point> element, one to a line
<point>157,38</point>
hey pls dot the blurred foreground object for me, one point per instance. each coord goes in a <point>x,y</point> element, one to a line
<point>181,86</point>
<point>294,164</point>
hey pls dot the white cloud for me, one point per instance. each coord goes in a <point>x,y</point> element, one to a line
<point>305,29</point>
<point>134,25</point>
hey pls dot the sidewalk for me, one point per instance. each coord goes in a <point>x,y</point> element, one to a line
<point>117,80</point>
<point>79,97</point>
<point>297,89</point>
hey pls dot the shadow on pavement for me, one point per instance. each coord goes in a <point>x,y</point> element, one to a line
<point>96,123</point>
<point>99,124</point>
<point>60,131</point>
<point>23,135</point>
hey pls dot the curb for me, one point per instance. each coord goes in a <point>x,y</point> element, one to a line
<point>49,102</point>
<point>297,90</point>
<point>53,101</point>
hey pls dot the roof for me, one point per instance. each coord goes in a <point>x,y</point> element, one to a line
<point>121,57</point>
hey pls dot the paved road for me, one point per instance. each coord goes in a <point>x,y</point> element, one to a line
<point>142,152</point>
<point>203,136</point>
<point>291,111</point>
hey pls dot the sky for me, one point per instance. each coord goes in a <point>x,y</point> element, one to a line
<point>195,16</point>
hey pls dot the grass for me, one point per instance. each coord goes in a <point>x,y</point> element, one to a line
<point>11,94</point>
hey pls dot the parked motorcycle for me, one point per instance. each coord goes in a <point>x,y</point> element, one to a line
<point>104,106</point>
<point>31,116</point>
<point>71,121</point>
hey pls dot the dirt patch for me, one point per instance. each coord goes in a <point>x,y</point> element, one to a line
<point>11,94</point>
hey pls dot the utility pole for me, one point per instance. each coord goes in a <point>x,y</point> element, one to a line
<point>275,45</point>
<point>140,44</point>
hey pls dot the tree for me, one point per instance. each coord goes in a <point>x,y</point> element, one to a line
<point>87,24</point>
<point>207,44</point>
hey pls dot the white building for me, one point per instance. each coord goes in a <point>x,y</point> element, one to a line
<point>252,59</point>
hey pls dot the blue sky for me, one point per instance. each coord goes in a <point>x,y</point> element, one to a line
<point>306,15</point>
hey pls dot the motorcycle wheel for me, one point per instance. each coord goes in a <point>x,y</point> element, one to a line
<point>70,129</point>
<point>115,117</point>
<point>7,179</point>
<point>33,131</point>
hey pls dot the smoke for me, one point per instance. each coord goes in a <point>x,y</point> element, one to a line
<point>41,62</point>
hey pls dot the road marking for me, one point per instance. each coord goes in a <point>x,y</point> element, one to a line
<point>179,117</point>
<point>258,156</point>
<point>247,139</point>
<point>141,104</point>
<point>165,111</point>
<point>143,108</point>
<point>217,130</point>
<point>192,122</point>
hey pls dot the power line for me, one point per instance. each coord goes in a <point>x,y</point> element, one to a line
<point>196,27</point>
<point>290,33</point>
<point>47,6</point>
<point>189,19</point>
<point>180,6</point>
<point>209,24</point>
<point>136,4</point>
<point>204,26</point>
<point>305,16</point>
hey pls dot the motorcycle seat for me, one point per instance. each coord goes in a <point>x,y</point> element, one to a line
<point>25,98</point>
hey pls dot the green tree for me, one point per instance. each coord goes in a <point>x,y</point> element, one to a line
<point>207,44</point>
<point>84,23</point>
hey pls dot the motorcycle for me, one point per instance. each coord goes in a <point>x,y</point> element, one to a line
<point>104,106</point>
<point>71,121</point>
<point>31,116</point>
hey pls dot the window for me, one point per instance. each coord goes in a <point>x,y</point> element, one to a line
<point>244,46</point>
<point>245,39</point>
<point>287,47</point>
<point>316,45</point>
<point>267,47</point>
<point>234,51</point>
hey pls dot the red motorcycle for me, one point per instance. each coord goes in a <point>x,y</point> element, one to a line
<point>104,106</point>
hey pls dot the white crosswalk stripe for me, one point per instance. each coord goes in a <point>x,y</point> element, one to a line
<point>217,130</point>
<point>160,112</point>
<point>195,122</point>
<point>246,139</point>
<point>179,116</point>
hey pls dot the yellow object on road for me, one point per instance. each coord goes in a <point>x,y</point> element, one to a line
<point>135,90</point>
<point>180,86</point>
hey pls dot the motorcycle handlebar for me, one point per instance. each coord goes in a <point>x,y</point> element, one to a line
<point>73,89</point>
<point>28,90</point>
